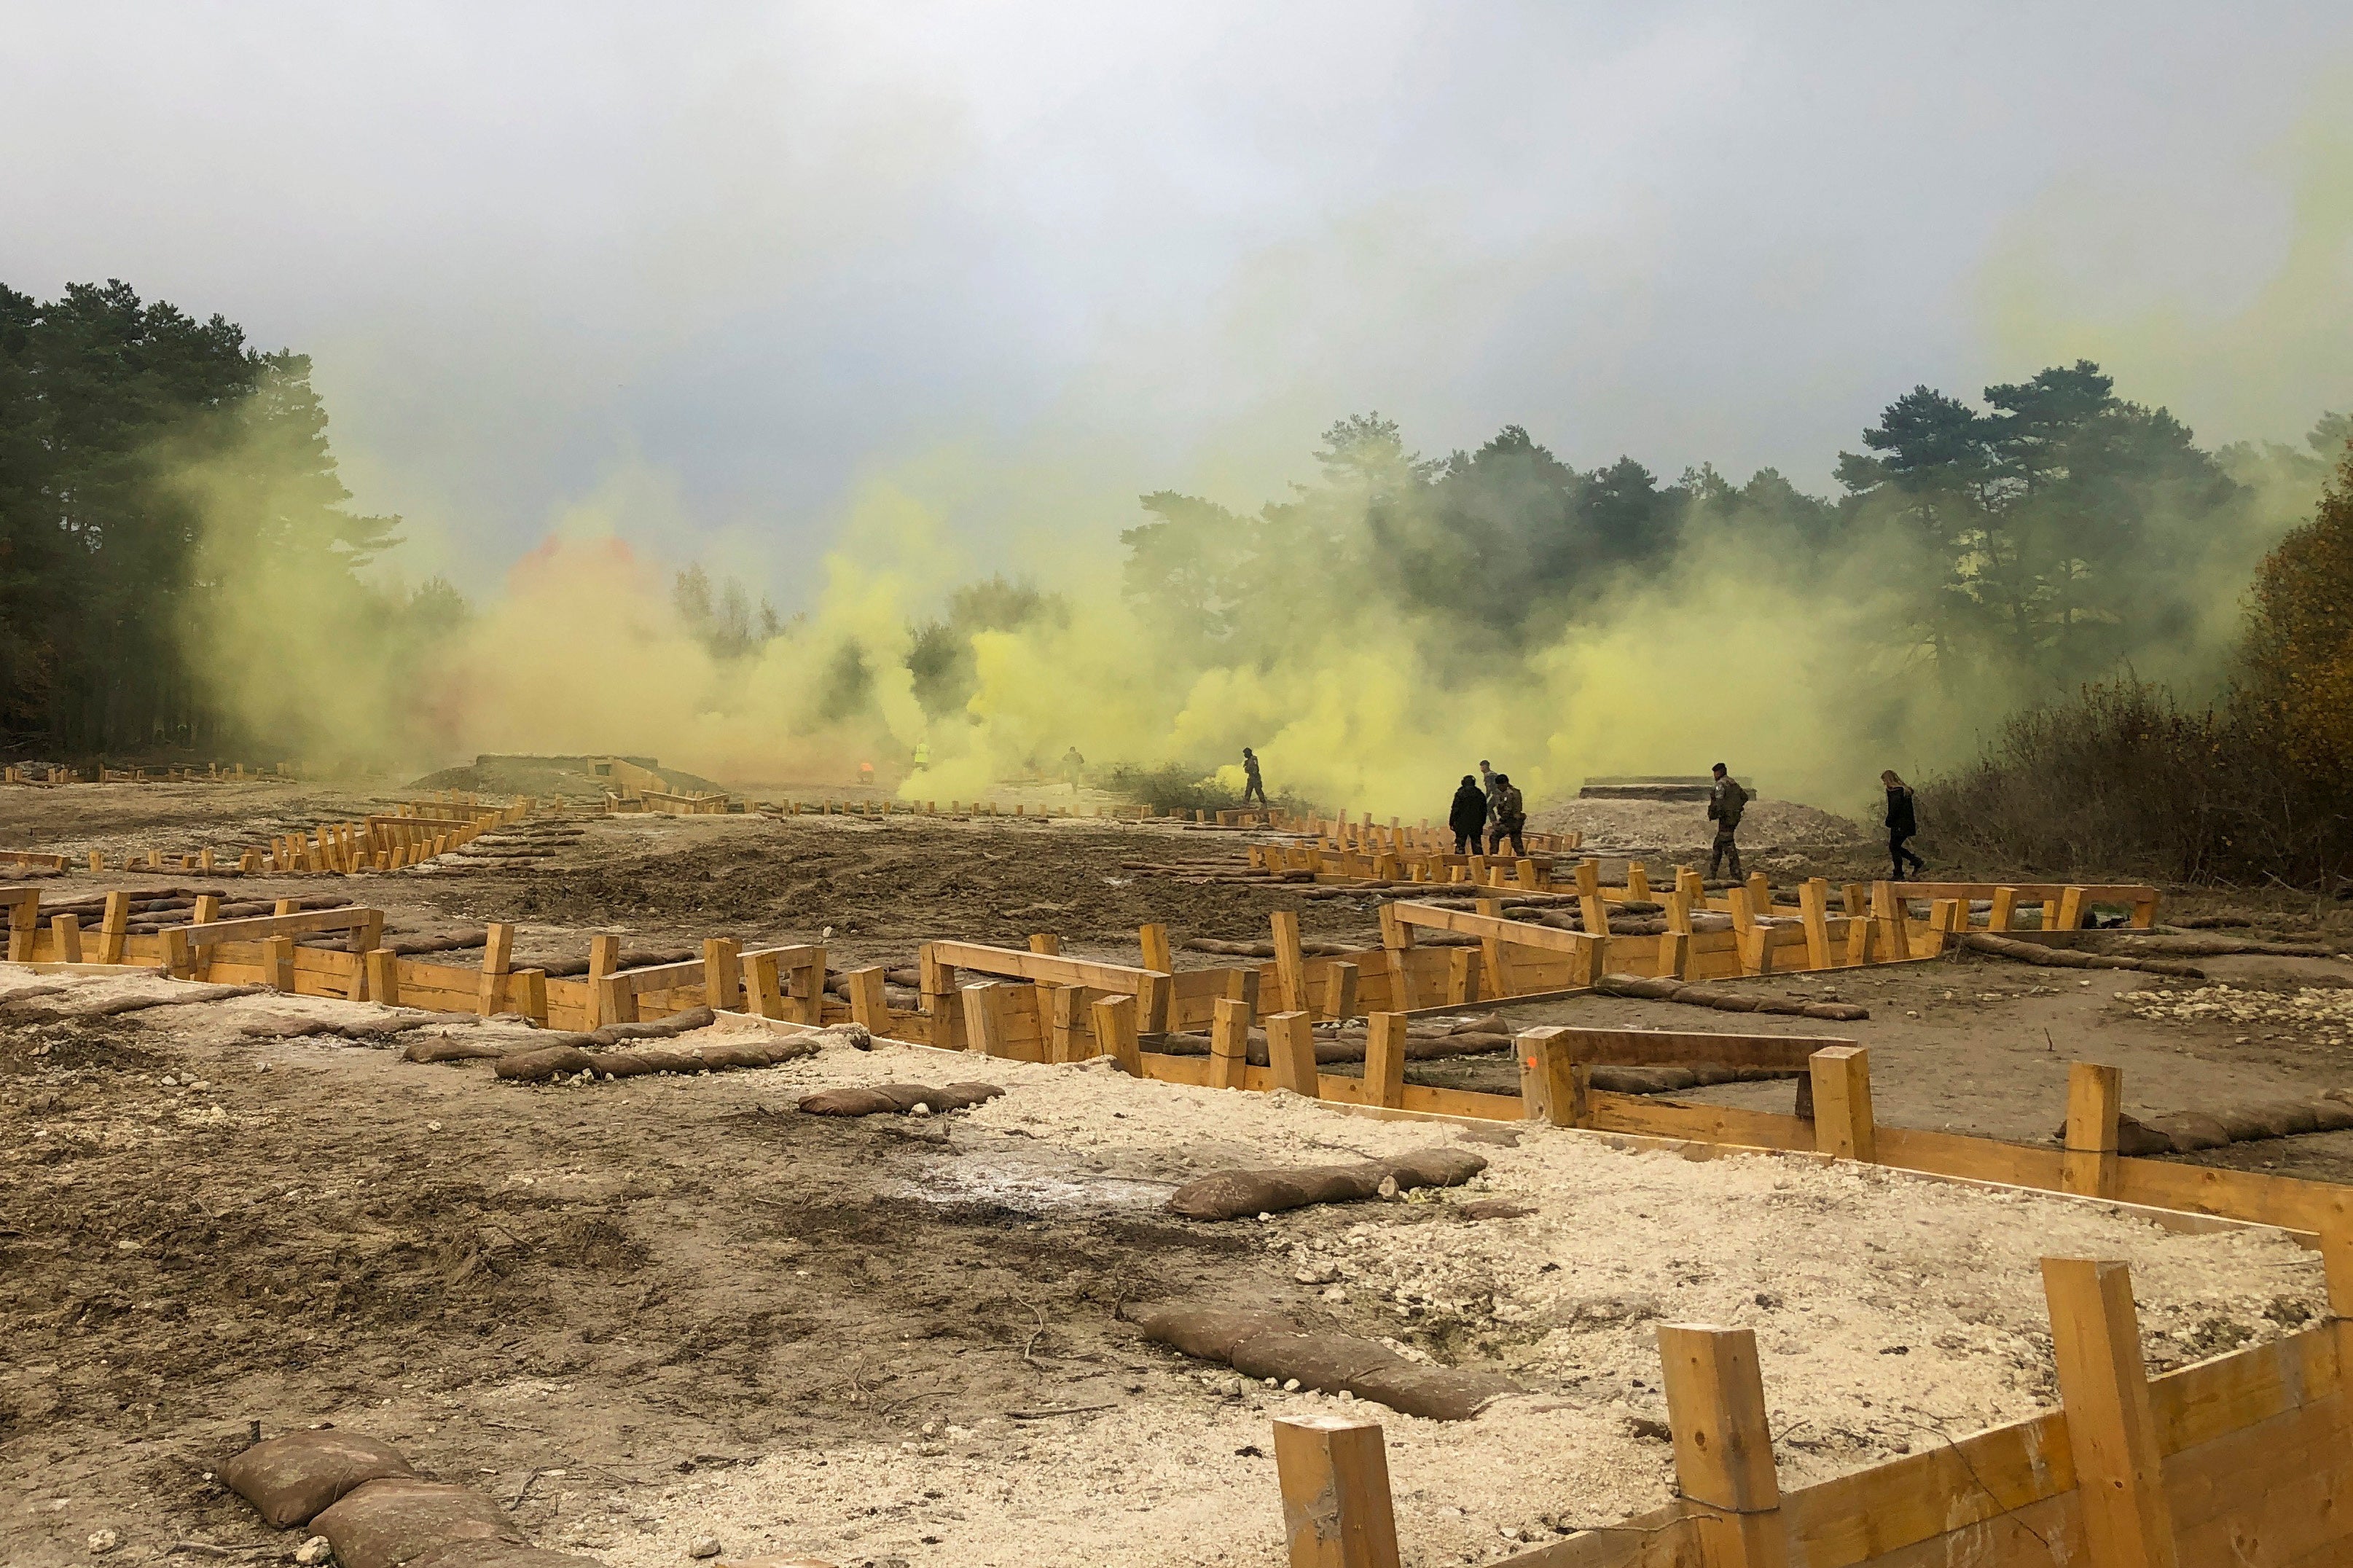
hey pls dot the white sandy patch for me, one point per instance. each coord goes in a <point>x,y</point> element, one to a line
<point>1891,1313</point>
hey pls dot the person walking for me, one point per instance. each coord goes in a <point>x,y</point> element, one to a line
<point>1486,778</point>
<point>1468,816</point>
<point>1074,768</point>
<point>1902,821</point>
<point>1507,814</point>
<point>1253,786</point>
<point>1725,801</point>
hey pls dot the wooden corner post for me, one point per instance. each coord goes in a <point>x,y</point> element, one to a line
<point>2103,1388</point>
<point>2088,1164</point>
<point>1385,1059</point>
<point>1290,962</point>
<point>1291,1053</point>
<point>1554,1085</point>
<point>1114,1020</point>
<point>1840,1076</point>
<point>1335,1476</point>
<point>1723,1449</point>
<point>1229,1043</point>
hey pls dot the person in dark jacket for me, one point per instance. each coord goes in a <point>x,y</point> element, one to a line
<point>1468,816</point>
<point>1507,814</point>
<point>1902,821</point>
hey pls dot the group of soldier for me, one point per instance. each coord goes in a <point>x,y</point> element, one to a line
<point>1488,811</point>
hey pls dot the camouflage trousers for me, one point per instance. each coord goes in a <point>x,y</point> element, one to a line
<point>1723,846</point>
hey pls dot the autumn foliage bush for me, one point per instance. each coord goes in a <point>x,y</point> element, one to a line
<point>2124,779</point>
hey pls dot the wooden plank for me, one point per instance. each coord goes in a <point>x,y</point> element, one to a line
<point>1724,1448</point>
<point>1866,1514</point>
<point>867,1003</point>
<point>1657,1118</point>
<point>1384,1077</point>
<point>2103,1390</point>
<point>1119,979</point>
<point>1670,1048</point>
<point>984,1018</point>
<point>1290,962</point>
<point>258,928</point>
<point>498,958</point>
<point>2207,1400</point>
<point>723,972</point>
<point>1334,1480</point>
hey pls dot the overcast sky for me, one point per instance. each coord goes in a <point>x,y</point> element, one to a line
<point>722,265</point>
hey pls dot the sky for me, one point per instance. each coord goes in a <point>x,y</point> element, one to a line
<point>704,275</point>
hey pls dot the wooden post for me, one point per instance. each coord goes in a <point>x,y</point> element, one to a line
<point>1588,898</point>
<point>1290,962</point>
<point>1946,916</point>
<point>1153,940</point>
<point>617,1000</point>
<point>1755,959</point>
<point>984,1018</point>
<point>498,958</point>
<point>113,926</point>
<point>1066,1039</point>
<point>1842,1124</point>
<point>867,1003</point>
<point>527,992</point>
<point>1291,1053</point>
<point>23,923</point>
<point>723,974</point>
<point>383,976</point>
<point>1638,881</point>
<point>604,958</point>
<point>1554,1086</point>
<point>1229,1043</point>
<point>1814,906</point>
<point>1340,993</point>
<point>2103,1388</point>
<point>1723,1449</point>
<point>2094,1094</point>
<point>207,910</point>
<point>941,1003</point>
<point>1334,1477</point>
<point>2005,909</point>
<point>1156,995</point>
<point>65,939</point>
<point>764,988</point>
<point>2143,911</point>
<point>278,963</point>
<point>1760,895</point>
<point>1385,1059</point>
<point>1674,955</point>
<point>2050,914</point>
<point>1891,915</point>
<point>2070,907</point>
<point>1116,1033</point>
<point>179,958</point>
<point>1462,976</point>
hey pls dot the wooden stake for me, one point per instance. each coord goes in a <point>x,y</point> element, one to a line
<point>984,1018</point>
<point>65,939</point>
<point>1334,1477</point>
<point>1154,997</point>
<point>498,958</point>
<point>1588,898</point>
<point>1814,908</point>
<point>1723,1449</point>
<point>2095,1095</point>
<point>1067,1041</point>
<point>1153,940</point>
<point>604,958</point>
<point>1229,1043</point>
<point>278,963</point>
<point>1339,1001</point>
<point>723,974</point>
<point>2103,1388</point>
<point>527,994</point>
<point>1290,962</point>
<point>2336,1259</point>
<point>1554,1086</point>
<point>383,976</point>
<point>867,1003</point>
<point>1462,976</point>
<point>617,1000</point>
<point>1892,915</point>
<point>1116,1033</point>
<point>112,927</point>
<point>1842,1122</point>
<point>1291,1053</point>
<point>2071,909</point>
<point>2005,909</point>
<point>1385,1059</point>
<point>768,992</point>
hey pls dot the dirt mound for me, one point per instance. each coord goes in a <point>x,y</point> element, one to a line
<point>555,775</point>
<point>1682,827</point>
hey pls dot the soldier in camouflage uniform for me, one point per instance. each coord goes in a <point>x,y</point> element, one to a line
<point>1725,801</point>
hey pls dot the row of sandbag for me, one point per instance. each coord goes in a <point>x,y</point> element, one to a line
<point>2043,957</point>
<point>1689,994</point>
<point>375,1510</point>
<point>618,1050</point>
<point>2192,1131</point>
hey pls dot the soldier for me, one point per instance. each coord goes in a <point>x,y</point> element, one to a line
<point>1253,786</point>
<point>1468,816</point>
<point>1902,821</point>
<point>1725,801</point>
<point>1074,768</point>
<point>1508,815</point>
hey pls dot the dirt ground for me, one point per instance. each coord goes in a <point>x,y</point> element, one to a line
<point>672,1306</point>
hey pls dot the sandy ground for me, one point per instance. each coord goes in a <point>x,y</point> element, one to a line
<point>665,1309</point>
<point>669,1308</point>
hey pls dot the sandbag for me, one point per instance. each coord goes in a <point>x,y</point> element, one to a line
<point>1265,1345</point>
<point>1837,1012</point>
<point>664,1059</point>
<point>1236,1194</point>
<point>1492,1024</point>
<point>718,1054</point>
<point>440,1048</point>
<point>548,1061</point>
<point>1786,1006</point>
<point>897,1098</point>
<point>392,1523</point>
<point>2189,1132</point>
<point>1657,990</point>
<point>1734,1002</point>
<point>662,1028</point>
<point>290,1478</point>
<point>622,1063</point>
<point>500,1554</point>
